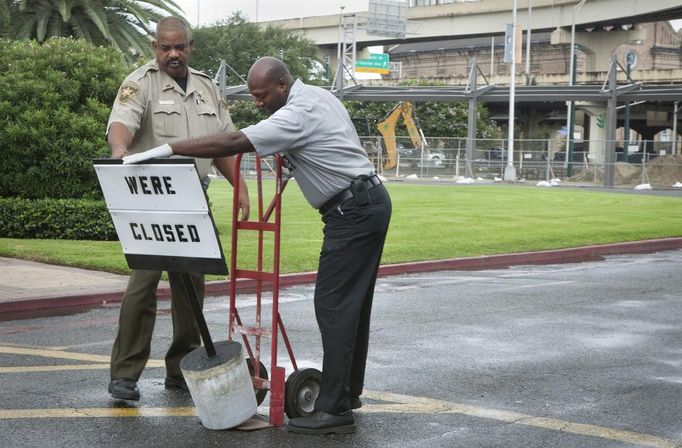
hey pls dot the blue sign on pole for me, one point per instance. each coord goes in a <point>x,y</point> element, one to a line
<point>508,48</point>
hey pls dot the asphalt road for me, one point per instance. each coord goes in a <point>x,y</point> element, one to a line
<point>570,355</point>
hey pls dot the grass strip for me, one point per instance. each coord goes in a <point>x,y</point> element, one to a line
<point>429,222</point>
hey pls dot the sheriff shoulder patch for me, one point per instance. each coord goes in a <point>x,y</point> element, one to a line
<point>128,91</point>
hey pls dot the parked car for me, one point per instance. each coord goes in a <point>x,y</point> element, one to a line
<point>434,159</point>
<point>413,157</point>
<point>493,154</point>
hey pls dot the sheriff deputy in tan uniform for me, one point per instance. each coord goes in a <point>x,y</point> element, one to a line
<point>163,101</point>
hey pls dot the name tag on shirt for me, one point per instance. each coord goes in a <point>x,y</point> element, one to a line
<point>166,102</point>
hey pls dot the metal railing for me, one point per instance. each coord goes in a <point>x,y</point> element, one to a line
<point>656,163</point>
<point>648,162</point>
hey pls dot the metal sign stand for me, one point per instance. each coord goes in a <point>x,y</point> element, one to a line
<point>188,285</point>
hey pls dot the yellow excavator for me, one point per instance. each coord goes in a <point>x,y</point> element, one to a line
<point>404,110</point>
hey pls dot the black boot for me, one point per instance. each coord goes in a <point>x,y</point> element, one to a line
<point>124,389</point>
<point>323,423</point>
<point>176,382</point>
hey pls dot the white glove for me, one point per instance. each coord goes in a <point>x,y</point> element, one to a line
<point>155,153</point>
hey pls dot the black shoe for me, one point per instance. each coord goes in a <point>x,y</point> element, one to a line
<point>124,389</point>
<point>176,382</point>
<point>355,403</point>
<point>323,423</point>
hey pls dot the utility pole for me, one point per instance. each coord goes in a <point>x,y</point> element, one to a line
<point>571,107</point>
<point>675,110</point>
<point>530,10</point>
<point>509,170</point>
<point>492,56</point>
<point>626,118</point>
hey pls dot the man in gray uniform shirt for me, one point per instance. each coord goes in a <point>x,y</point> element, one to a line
<point>313,131</point>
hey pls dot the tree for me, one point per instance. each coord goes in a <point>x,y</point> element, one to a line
<point>436,119</point>
<point>245,113</point>
<point>240,43</point>
<point>55,99</point>
<point>4,13</point>
<point>122,24</point>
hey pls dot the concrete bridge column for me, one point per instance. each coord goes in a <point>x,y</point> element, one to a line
<point>329,57</point>
<point>597,134</point>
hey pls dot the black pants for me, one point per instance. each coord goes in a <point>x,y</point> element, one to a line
<point>354,238</point>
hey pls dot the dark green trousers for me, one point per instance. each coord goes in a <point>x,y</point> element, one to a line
<point>136,324</point>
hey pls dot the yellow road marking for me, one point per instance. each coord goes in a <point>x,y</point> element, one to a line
<point>97,413</point>
<point>405,405</point>
<point>408,404</point>
<point>393,403</point>
<point>60,354</point>
<point>53,354</point>
<point>29,369</point>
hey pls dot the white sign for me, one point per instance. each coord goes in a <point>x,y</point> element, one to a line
<point>152,187</point>
<point>161,215</point>
<point>508,49</point>
<point>171,234</point>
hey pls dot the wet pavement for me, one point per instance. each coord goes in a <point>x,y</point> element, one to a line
<point>30,289</point>
<point>21,280</point>
<point>556,355</point>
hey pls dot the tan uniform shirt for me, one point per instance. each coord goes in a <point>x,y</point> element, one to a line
<point>156,110</point>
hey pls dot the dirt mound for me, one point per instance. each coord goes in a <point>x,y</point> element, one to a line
<point>661,172</point>
<point>625,174</point>
<point>664,171</point>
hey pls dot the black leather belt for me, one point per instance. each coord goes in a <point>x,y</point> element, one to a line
<point>346,194</point>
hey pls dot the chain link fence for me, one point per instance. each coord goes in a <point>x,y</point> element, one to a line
<point>655,163</point>
<point>648,162</point>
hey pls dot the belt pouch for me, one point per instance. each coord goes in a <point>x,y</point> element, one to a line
<point>359,188</point>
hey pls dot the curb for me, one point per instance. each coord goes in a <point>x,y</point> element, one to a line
<point>63,304</point>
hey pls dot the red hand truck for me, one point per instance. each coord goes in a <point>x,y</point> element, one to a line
<point>297,395</point>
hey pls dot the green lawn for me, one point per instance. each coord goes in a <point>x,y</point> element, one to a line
<point>429,222</point>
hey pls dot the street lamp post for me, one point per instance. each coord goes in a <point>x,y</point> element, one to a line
<point>509,170</point>
<point>571,122</point>
<point>571,106</point>
<point>626,118</point>
<point>530,11</point>
<point>675,110</point>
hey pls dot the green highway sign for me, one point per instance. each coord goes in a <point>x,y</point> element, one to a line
<point>377,63</point>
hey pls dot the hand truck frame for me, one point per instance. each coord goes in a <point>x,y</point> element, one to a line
<point>297,395</point>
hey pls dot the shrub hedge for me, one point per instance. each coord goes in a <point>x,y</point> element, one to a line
<point>69,219</point>
<point>55,100</point>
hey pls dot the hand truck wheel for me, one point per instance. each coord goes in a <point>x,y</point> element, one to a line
<point>301,391</point>
<point>262,374</point>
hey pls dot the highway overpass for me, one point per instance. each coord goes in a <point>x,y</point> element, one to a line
<point>489,17</point>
